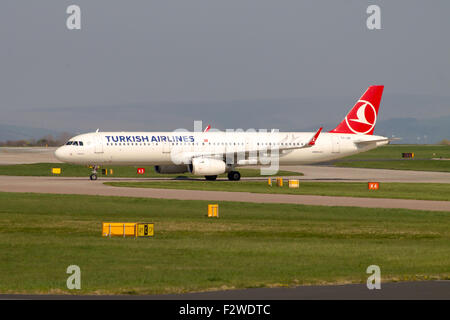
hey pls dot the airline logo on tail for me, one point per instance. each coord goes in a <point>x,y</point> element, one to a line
<point>362,117</point>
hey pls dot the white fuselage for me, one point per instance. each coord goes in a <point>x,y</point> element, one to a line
<point>168,148</point>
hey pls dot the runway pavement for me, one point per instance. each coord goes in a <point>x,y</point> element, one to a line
<point>423,290</point>
<point>318,173</point>
<point>27,155</point>
<point>64,185</point>
<point>331,173</point>
<point>311,173</point>
<point>401,290</point>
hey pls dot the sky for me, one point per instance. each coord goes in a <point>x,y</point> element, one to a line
<point>218,60</point>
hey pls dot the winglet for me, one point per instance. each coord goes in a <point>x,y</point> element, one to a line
<point>207,128</point>
<point>312,142</point>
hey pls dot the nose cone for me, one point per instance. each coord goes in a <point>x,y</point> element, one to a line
<point>60,154</point>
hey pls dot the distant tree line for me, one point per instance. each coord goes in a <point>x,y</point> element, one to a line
<point>46,141</point>
<point>445,142</point>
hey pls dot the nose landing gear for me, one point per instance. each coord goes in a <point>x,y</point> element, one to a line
<point>93,175</point>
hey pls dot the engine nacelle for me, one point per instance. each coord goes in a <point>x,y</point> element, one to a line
<point>207,167</point>
<point>171,169</point>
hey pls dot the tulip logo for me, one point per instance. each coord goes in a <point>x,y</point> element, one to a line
<point>362,118</point>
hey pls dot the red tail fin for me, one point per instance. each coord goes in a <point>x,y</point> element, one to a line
<point>363,116</point>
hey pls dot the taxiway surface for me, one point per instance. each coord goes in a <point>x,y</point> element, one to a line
<point>65,185</point>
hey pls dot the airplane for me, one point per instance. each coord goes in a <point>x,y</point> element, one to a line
<point>211,153</point>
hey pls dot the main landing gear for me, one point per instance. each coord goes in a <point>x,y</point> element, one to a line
<point>93,175</point>
<point>234,176</point>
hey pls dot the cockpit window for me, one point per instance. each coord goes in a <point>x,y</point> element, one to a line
<point>74,143</point>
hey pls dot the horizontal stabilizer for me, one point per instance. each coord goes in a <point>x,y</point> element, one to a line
<point>375,141</point>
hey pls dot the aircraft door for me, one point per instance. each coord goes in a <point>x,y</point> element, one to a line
<point>335,144</point>
<point>166,147</point>
<point>98,144</point>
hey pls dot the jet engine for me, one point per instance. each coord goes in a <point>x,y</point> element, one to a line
<point>207,167</point>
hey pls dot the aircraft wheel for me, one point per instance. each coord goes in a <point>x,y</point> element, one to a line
<point>211,178</point>
<point>234,176</point>
<point>93,176</point>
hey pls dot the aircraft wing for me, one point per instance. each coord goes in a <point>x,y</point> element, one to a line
<point>301,145</point>
<point>186,157</point>
<point>297,145</point>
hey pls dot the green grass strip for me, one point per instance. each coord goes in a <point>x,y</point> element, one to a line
<point>422,191</point>
<point>71,170</point>
<point>250,245</point>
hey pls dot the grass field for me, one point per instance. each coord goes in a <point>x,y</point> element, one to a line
<point>422,191</point>
<point>71,170</point>
<point>250,245</point>
<point>390,157</point>
<point>394,152</point>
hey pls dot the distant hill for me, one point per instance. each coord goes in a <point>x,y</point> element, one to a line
<point>9,132</point>
<point>286,114</point>
<point>410,130</point>
<point>413,130</point>
<point>415,118</point>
